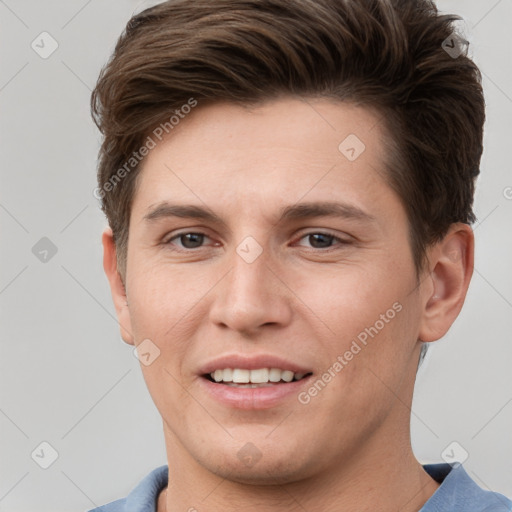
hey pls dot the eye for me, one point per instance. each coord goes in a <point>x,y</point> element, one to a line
<point>195,240</point>
<point>322,240</point>
<point>189,240</point>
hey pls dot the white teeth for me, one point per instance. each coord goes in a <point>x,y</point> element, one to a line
<point>287,376</point>
<point>241,376</point>
<point>275,375</point>
<point>258,376</point>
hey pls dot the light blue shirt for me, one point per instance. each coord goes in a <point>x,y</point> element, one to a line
<point>457,493</point>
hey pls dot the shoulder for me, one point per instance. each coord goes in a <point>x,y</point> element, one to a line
<point>460,493</point>
<point>143,496</point>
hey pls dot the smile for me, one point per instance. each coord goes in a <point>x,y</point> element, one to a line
<point>240,377</point>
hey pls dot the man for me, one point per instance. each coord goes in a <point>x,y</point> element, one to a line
<point>289,189</point>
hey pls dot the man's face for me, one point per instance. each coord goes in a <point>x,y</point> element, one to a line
<point>298,293</point>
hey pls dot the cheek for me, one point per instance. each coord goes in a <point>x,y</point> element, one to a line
<point>364,368</point>
<point>160,297</point>
<point>350,299</point>
<point>157,312</point>
<point>161,302</point>
<point>373,323</point>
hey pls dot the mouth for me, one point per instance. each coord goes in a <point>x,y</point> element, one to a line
<point>257,382</point>
<point>254,378</point>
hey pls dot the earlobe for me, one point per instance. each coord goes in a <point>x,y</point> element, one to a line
<point>451,261</point>
<point>117,286</point>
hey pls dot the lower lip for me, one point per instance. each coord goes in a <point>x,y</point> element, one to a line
<point>253,398</point>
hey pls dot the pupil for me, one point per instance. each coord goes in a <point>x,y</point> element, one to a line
<point>314,238</point>
<point>191,237</point>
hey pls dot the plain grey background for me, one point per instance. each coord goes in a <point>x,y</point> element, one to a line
<point>67,379</point>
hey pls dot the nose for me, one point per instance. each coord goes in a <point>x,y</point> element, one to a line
<point>251,296</point>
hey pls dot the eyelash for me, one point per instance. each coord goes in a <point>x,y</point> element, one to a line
<point>322,233</point>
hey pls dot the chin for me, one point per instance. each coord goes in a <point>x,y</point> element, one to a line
<point>265,474</point>
<point>265,468</point>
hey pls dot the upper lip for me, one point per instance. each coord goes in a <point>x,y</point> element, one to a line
<point>251,363</point>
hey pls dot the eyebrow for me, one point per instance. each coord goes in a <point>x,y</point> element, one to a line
<point>294,212</point>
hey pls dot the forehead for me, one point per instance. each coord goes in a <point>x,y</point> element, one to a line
<point>318,125</point>
<point>287,148</point>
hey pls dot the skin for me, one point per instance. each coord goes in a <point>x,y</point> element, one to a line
<point>302,299</point>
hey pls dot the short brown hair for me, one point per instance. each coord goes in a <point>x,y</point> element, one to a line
<point>386,55</point>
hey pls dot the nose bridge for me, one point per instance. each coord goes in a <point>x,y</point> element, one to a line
<point>250,295</point>
<point>249,275</point>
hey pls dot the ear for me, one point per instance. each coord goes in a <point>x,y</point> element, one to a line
<point>117,287</point>
<point>451,262</point>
